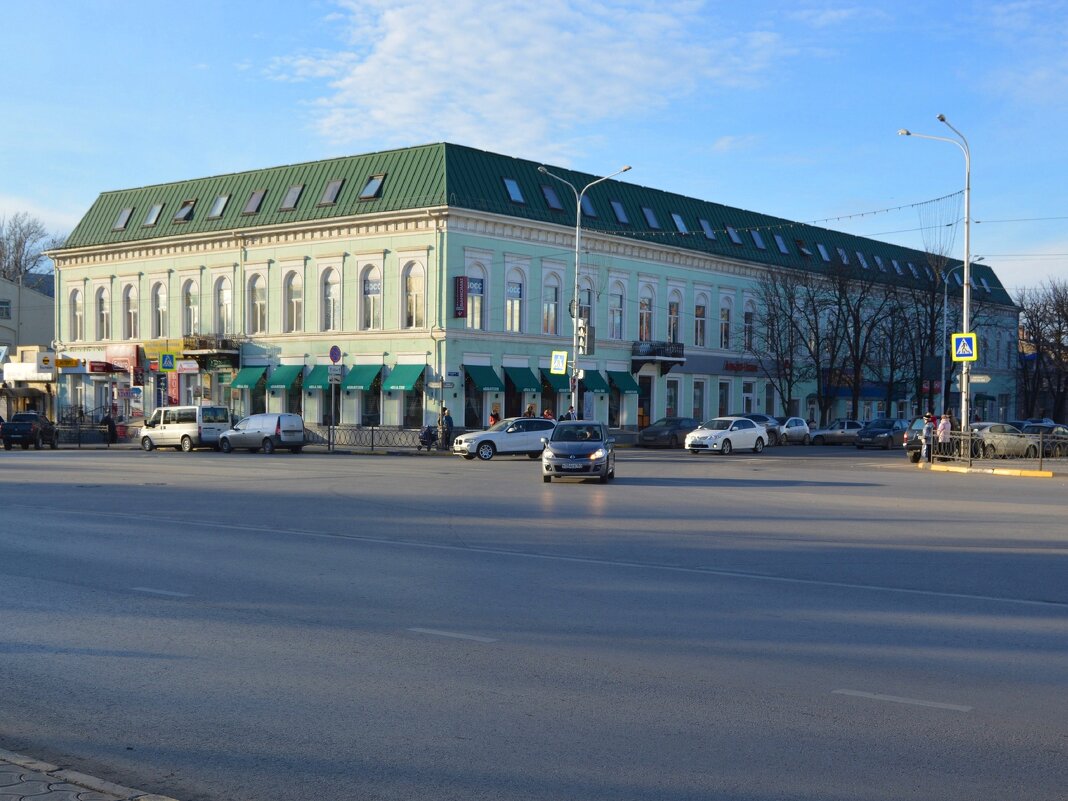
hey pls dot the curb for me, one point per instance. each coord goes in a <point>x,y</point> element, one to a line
<point>992,471</point>
<point>79,779</point>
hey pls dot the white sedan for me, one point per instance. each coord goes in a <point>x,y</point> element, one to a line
<point>513,435</point>
<point>725,434</point>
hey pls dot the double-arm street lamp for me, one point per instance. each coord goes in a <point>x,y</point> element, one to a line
<point>575,306</point>
<point>962,143</point>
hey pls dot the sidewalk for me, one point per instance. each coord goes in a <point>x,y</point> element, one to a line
<point>25,779</point>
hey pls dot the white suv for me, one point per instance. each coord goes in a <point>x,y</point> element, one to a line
<point>513,435</point>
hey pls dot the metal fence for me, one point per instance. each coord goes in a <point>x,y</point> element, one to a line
<point>372,437</point>
<point>1039,451</point>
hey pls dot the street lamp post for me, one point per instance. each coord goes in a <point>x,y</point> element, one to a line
<point>574,306</point>
<point>962,143</point>
<point>945,341</point>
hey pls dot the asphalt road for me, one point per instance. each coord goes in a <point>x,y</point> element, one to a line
<point>805,624</point>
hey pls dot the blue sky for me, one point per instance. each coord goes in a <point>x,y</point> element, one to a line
<point>788,108</point>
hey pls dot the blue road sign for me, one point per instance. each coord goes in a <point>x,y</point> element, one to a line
<point>965,348</point>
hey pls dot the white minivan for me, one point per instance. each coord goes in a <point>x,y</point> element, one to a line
<point>185,427</point>
<point>267,431</point>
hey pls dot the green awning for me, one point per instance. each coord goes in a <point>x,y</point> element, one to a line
<point>247,377</point>
<point>403,377</point>
<point>594,382</point>
<point>624,382</point>
<point>361,376</point>
<point>523,379</point>
<point>283,376</point>
<point>559,383</point>
<point>484,378</point>
<point>318,378</point>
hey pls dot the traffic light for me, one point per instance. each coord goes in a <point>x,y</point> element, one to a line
<point>585,337</point>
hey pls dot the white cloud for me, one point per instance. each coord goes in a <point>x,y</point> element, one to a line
<point>520,77</point>
<point>55,221</point>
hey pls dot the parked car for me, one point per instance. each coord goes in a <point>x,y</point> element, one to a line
<point>29,428</point>
<point>839,432</point>
<point>667,432</point>
<point>511,436</point>
<point>885,433</point>
<point>912,440</point>
<point>185,427</point>
<point>794,430</point>
<point>771,425</point>
<point>1052,437</point>
<point>578,449</point>
<point>994,440</point>
<point>265,431</point>
<point>726,434</point>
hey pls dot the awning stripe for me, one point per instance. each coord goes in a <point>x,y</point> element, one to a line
<point>523,379</point>
<point>283,376</point>
<point>560,383</point>
<point>594,381</point>
<point>318,378</point>
<point>624,382</point>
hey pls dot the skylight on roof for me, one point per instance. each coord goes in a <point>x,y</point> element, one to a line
<point>986,285</point>
<point>123,219</point>
<point>254,201</point>
<point>514,192</point>
<point>289,202</point>
<point>863,261</point>
<point>736,238</point>
<point>927,269</point>
<point>879,263</point>
<point>897,267</point>
<point>782,245</point>
<point>804,251</point>
<point>823,253</point>
<point>185,211</point>
<point>153,214</point>
<point>587,207</point>
<point>330,192</point>
<point>621,214</point>
<point>758,240</point>
<point>843,255</point>
<point>373,187</point>
<point>957,277</point>
<point>552,198</point>
<point>706,226</point>
<point>680,224</point>
<point>217,207</point>
<point>650,217</point>
<point>913,270</point>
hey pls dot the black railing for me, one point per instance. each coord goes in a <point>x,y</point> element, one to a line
<point>658,350</point>
<point>373,437</point>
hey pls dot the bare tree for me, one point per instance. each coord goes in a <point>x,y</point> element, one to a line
<point>23,241</point>
<point>1043,371</point>
<point>777,346</point>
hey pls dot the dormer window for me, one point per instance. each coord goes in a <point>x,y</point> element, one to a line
<point>289,202</point>
<point>736,238</point>
<point>806,252</point>
<point>842,255</point>
<point>879,264</point>
<point>552,198</point>
<point>863,261</point>
<point>217,207</point>
<point>373,187</point>
<point>706,226</point>
<point>680,224</point>
<point>587,207</point>
<point>185,211</point>
<point>758,240</point>
<point>826,256</point>
<point>254,201</point>
<point>897,267</point>
<point>621,214</point>
<point>650,217</point>
<point>331,191</point>
<point>153,214</point>
<point>782,245</point>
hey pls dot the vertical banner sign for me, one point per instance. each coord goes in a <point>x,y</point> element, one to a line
<point>459,305</point>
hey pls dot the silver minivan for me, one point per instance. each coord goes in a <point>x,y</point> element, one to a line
<point>267,431</point>
<point>185,427</point>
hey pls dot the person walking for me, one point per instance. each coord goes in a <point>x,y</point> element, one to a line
<point>530,411</point>
<point>548,414</point>
<point>569,414</point>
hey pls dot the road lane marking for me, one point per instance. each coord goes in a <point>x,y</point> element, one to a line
<point>896,699</point>
<point>168,593</point>
<point>452,635</point>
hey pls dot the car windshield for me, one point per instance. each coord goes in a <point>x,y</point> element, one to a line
<point>503,425</point>
<point>577,434</point>
<point>666,421</point>
<point>719,424</point>
<point>880,424</point>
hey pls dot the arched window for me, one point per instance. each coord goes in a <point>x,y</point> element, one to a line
<point>725,308</point>
<point>129,313</point>
<point>293,291</point>
<point>103,314</point>
<point>371,298</point>
<point>159,311</point>
<point>700,321</point>
<point>257,305</point>
<point>414,297</point>
<point>616,302</point>
<point>513,302</point>
<point>77,316</point>
<point>224,307</point>
<point>550,305</point>
<point>748,322</point>
<point>331,301</point>
<point>675,316</point>
<point>476,292</point>
<point>190,308</point>
<point>645,314</point>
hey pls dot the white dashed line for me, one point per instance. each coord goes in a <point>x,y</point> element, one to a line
<point>895,699</point>
<point>453,635</point>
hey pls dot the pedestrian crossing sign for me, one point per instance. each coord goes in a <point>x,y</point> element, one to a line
<point>964,348</point>
<point>559,363</point>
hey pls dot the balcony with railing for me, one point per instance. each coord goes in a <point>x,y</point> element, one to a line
<point>665,355</point>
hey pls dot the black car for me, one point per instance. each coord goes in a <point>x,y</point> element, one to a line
<point>885,433</point>
<point>667,432</point>
<point>913,440</point>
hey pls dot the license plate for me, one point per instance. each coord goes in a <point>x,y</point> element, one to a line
<point>571,467</point>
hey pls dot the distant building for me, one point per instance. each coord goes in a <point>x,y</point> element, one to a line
<point>445,275</point>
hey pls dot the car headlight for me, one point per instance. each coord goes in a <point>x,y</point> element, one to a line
<point>600,453</point>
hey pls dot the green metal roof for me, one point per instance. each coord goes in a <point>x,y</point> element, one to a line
<point>456,176</point>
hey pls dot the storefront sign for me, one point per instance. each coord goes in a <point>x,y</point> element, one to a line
<point>739,367</point>
<point>459,307</point>
<point>187,366</point>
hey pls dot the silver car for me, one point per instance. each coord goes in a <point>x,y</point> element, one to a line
<point>265,431</point>
<point>579,449</point>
